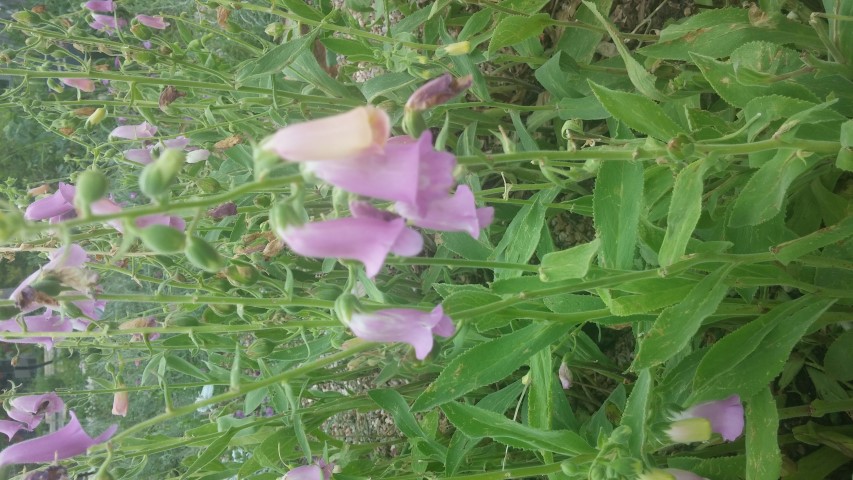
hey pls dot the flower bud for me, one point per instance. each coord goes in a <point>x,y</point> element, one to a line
<point>275,30</point>
<point>24,17</point>
<point>163,239</point>
<point>689,430</point>
<point>203,255</point>
<point>182,321</point>
<point>158,176</point>
<point>241,275</point>
<point>96,117</point>
<point>458,48</point>
<point>120,402</point>
<point>91,187</point>
<point>140,31</point>
<point>260,348</point>
<point>208,185</point>
<point>345,306</point>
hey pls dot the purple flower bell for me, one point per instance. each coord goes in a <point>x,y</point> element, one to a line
<point>414,327</point>
<point>697,422</point>
<point>155,22</point>
<point>69,441</point>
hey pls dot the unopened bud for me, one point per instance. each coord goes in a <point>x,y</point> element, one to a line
<point>438,91</point>
<point>458,48</point>
<point>241,275</point>
<point>140,31</point>
<point>96,117</point>
<point>203,255</point>
<point>260,348</point>
<point>275,30</point>
<point>689,430</point>
<point>158,176</point>
<point>91,187</point>
<point>24,17</point>
<point>208,185</point>
<point>163,239</point>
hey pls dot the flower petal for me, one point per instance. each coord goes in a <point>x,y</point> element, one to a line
<point>10,428</point>
<point>45,322</point>
<point>100,5</point>
<point>30,409</point>
<point>82,84</point>
<point>134,132</point>
<point>305,472</point>
<point>156,22</point>
<point>403,325</point>
<point>62,201</point>
<point>69,441</point>
<point>453,213</point>
<point>726,416</point>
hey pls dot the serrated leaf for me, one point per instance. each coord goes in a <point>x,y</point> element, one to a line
<point>488,363</point>
<point>747,359</point>
<point>763,195</point>
<point>479,423</point>
<point>636,410</point>
<point>676,325</point>
<point>685,208</point>
<point>616,206</point>
<point>638,112</point>
<point>514,29</point>
<point>763,458</point>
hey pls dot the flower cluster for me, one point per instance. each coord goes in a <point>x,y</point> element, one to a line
<point>63,271</point>
<point>26,413</point>
<point>365,160</point>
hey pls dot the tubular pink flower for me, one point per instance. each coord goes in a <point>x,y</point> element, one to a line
<point>10,428</point>
<point>139,155</point>
<point>100,5</point>
<point>438,91</point>
<point>82,84</point>
<point>403,325</point>
<point>44,322</point>
<point>121,401</point>
<point>368,237</point>
<point>107,23</point>
<point>71,257</point>
<point>565,376</point>
<point>134,132</point>
<point>725,416</point>
<point>338,137</point>
<point>60,203</point>
<point>177,223</point>
<point>305,472</point>
<point>69,441</point>
<point>453,213</point>
<point>31,409</point>
<point>156,22</point>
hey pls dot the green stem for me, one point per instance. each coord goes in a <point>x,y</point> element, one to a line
<point>817,408</point>
<point>456,262</point>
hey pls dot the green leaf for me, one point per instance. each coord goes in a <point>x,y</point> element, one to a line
<point>539,406</point>
<point>616,204</point>
<point>676,325</point>
<point>522,235</point>
<point>570,263</point>
<point>839,357</point>
<point>579,43</point>
<point>763,195</point>
<point>654,294</point>
<point>718,32</point>
<point>466,299</point>
<point>394,403</point>
<point>302,9</point>
<point>211,452</point>
<point>277,58</point>
<point>636,410</point>
<point>684,211</point>
<point>584,108</point>
<point>514,29</point>
<point>477,422</point>
<point>178,364</point>
<point>640,77</point>
<point>638,112</point>
<point>347,47</point>
<point>794,249</point>
<point>763,458</point>
<point>747,359</point>
<point>488,363</point>
<point>389,85</point>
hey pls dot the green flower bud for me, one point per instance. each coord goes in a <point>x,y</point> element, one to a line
<point>158,176</point>
<point>345,305</point>
<point>260,348</point>
<point>140,31</point>
<point>275,30</point>
<point>203,255</point>
<point>91,187</point>
<point>208,185</point>
<point>144,58</point>
<point>163,239</point>
<point>24,17</point>
<point>182,321</point>
<point>262,201</point>
<point>223,309</point>
<point>241,275</point>
<point>629,467</point>
<point>96,117</point>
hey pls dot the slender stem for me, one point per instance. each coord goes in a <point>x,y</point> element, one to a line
<point>817,408</point>
<point>456,262</point>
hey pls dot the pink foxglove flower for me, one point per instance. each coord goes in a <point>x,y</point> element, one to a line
<point>100,5</point>
<point>10,428</point>
<point>31,409</point>
<point>107,23</point>
<point>305,472</point>
<point>69,441</point>
<point>338,137</point>
<point>437,91</point>
<point>403,325</point>
<point>121,401</point>
<point>155,22</point>
<point>453,213</point>
<point>54,206</point>
<point>82,84</point>
<point>44,322</point>
<point>368,237</point>
<point>721,416</point>
<point>72,257</point>
<point>134,132</point>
